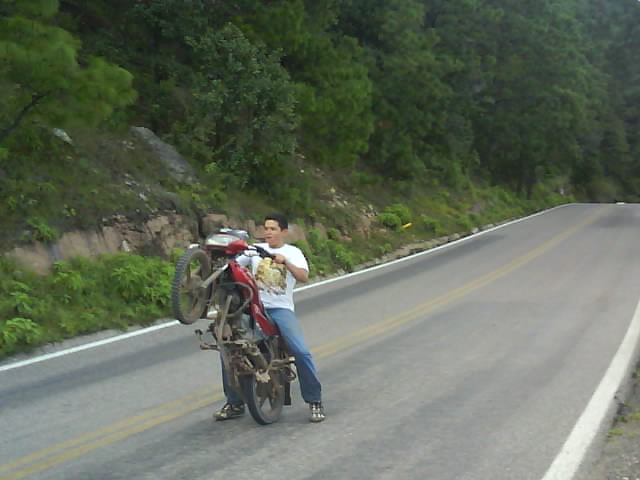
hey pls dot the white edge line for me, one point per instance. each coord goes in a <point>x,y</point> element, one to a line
<point>125,336</point>
<point>87,346</point>
<point>431,250</point>
<point>568,461</point>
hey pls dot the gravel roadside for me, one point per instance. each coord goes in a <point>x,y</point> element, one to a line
<point>620,456</point>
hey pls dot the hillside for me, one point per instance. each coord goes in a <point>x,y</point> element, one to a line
<point>133,203</point>
<point>131,128</point>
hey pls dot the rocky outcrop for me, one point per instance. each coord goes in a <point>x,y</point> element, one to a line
<point>178,167</point>
<point>159,236</point>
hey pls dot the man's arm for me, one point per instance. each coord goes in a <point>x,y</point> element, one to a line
<point>300,274</point>
<point>244,260</point>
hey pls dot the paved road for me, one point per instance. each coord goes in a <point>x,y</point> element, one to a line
<point>470,362</point>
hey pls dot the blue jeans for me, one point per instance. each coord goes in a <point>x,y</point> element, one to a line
<point>290,330</point>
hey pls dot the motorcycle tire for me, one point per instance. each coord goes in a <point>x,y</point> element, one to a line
<point>265,400</point>
<point>188,299</point>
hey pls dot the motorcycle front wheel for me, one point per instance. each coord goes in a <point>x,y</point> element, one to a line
<point>264,400</point>
<point>188,298</point>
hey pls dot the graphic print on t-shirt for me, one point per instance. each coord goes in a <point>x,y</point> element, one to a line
<point>271,277</point>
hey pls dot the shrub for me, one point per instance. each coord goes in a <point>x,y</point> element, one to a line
<point>431,224</point>
<point>465,223</point>
<point>17,332</point>
<point>342,255</point>
<point>41,231</point>
<point>80,296</point>
<point>390,220</point>
<point>333,234</point>
<point>402,211</point>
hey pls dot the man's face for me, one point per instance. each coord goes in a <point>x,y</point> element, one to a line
<point>273,234</point>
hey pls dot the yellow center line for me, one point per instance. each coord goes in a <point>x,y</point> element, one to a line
<point>106,430</point>
<point>395,321</point>
<point>120,435</point>
<point>118,431</point>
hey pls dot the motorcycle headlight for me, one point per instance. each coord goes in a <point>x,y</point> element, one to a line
<point>220,240</point>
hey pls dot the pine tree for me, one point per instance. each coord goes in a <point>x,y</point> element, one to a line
<point>43,76</point>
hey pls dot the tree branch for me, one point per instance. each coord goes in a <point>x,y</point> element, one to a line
<point>35,99</point>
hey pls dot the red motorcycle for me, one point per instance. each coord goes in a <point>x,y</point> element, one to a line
<point>210,282</point>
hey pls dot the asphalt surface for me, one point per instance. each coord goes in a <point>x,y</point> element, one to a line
<point>474,361</point>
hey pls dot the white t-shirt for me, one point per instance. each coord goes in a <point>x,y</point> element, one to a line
<point>274,280</point>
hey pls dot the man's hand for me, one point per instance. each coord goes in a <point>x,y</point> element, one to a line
<point>300,274</point>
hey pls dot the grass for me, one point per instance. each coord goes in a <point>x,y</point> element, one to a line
<point>615,432</point>
<point>50,186</point>
<point>80,296</point>
<point>57,187</point>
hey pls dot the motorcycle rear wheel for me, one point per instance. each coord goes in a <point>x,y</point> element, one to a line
<point>264,400</point>
<point>188,298</point>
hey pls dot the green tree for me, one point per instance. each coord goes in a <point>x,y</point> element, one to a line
<point>539,102</point>
<point>410,93</point>
<point>241,117</point>
<point>613,26</point>
<point>333,90</point>
<point>42,76</point>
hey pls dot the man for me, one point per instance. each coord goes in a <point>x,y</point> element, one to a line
<point>276,280</point>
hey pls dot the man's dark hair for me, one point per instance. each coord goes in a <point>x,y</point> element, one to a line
<point>283,223</point>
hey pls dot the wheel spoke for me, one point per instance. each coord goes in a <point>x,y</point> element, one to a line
<point>194,302</point>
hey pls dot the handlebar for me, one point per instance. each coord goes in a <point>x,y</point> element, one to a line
<point>263,253</point>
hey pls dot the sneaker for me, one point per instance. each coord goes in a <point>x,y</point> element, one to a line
<point>229,411</point>
<point>316,412</point>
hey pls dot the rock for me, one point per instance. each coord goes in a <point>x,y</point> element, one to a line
<point>178,167</point>
<point>295,234</point>
<point>259,233</point>
<point>39,256</point>
<point>36,257</point>
<point>168,232</point>
<point>364,226</point>
<point>62,135</point>
<point>124,246</point>
<point>159,235</point>
<point>250,227</point>
<point>212,222</point>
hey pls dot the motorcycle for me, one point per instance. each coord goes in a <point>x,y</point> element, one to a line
<point>210,282</point>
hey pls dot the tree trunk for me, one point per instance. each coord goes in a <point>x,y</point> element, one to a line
<point>35,99</point>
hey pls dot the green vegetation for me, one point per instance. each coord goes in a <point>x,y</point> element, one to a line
<point>539,90</point>
<point>615,432</point>
<point>429,117</point>
<point>44,79</point>
<point>80,296</point>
